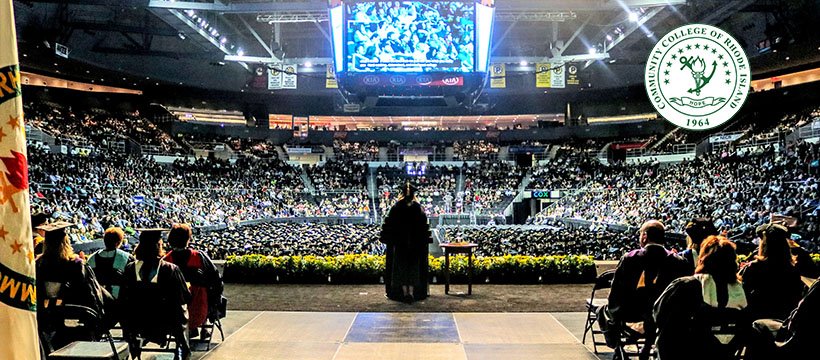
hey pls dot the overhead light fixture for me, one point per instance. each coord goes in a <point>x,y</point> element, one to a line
<point>608,37</point>
<point>593,51</point>
<point>523,63</point>
<point>633,17</point>
<point>181,36</point>
<point>240,52</point>
<point>308,64</point>
<point>612,61</point>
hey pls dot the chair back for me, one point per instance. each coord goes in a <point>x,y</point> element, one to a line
<point>68,323</point>
<point>604,281</point>
<point>723,327</point>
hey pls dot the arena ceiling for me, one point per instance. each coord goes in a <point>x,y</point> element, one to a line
<point>153,42</point>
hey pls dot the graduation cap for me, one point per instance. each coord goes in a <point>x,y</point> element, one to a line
<point>55,230</point>
<point>151,235</point>
<point>38,220</point>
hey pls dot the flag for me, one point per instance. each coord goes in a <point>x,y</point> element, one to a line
<point>18,320</point>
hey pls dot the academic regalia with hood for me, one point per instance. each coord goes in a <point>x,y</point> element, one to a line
<point>685,313</point>
<point>206,285</point>
<point>156,297</point>
<point>407,235</point>
<point>64,282</point>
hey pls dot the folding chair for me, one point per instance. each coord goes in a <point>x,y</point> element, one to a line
<point>725,326</point>
<point>604,281</point>
<point>214,321</point>
<point>83,327</point>
<point>630,339</point>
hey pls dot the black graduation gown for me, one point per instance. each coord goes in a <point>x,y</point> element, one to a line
<point>684,321</point>
<point>631,302</point>
<point>155,309</point>
<point>772,293</point>
<point>407,235</point>
<point>78,286</point>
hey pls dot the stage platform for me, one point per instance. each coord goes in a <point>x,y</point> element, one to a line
<point>384,336</point>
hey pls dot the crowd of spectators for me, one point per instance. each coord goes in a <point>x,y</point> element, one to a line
<point>279,239</point>
<point>435,190</point>
<point>474,150</point>
<point>98,126</point>
<point>368,151</point>
<point>110,189</point>
<point>338,175</point>
<point>355,203</point>
<point>739,190</point>
<point>490,186</point>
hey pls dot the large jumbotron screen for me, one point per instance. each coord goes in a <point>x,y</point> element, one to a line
<point>412,36</point>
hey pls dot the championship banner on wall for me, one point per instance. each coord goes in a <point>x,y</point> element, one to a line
<point>572,74</point>
<point>558,76</point>
<point>542,75</point>
<point>289,77</point>
<point>275,77</point>
<point>330,77</point>
<point>18,304</point>
<point>498,76</point>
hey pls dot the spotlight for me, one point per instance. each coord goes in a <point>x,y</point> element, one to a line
<point>593,51</point>
<point>308,64</point>
<point>223,40</point>
<point>608,37</point>
<point>181,36</point>
<point>240,52</point>
<point>633,17</point>
<point>523,63</point>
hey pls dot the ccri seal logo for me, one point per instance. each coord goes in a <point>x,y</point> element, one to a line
<point>697,77</point>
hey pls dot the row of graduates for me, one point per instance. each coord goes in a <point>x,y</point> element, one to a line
<point>151,294</point>
<point>675,300</point>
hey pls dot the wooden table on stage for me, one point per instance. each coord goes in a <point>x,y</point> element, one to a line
<point>458,248</point>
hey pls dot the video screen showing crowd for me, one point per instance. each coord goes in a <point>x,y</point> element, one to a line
<point>411,36</point>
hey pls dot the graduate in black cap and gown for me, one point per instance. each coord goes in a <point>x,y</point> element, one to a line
<point>407,235</point>
<point>155,294</point>
<point>62,279</point>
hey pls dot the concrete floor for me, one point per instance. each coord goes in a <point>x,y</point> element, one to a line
<point>384,336</point>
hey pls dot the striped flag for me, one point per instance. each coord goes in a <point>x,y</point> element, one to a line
<point>18,305</point>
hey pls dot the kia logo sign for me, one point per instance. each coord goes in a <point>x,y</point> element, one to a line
<point>371,80</point>
<point>398,80</point>
<point>424,80</point>
<point>450,80</point>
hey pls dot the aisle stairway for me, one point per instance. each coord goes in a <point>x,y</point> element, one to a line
<point>306,180</point>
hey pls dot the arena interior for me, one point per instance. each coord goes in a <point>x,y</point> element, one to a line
<point>284,132</point>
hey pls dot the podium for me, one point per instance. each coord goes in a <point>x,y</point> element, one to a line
<point>458,248</point>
